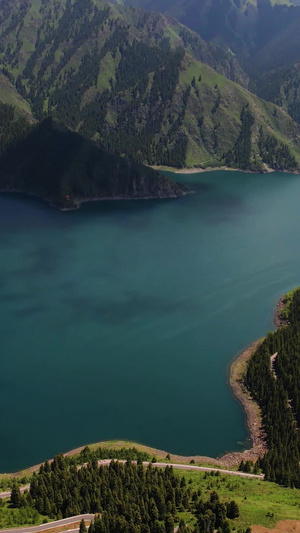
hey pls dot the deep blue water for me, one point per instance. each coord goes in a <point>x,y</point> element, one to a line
<point>120,320</point>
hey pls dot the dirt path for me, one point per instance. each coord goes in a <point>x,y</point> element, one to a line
<point>285,526</point>
<point>272,361</point>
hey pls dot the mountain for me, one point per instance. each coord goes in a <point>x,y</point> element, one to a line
<point>240,24</point>
<point>139,84</point>
<point>281,87</point>
<point>226,22</point>
<point>264,35</point>
<point>65,169</point>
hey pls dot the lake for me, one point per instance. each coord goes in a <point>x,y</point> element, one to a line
<point>120,320</point>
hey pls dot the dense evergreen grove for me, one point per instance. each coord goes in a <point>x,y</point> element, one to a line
<point>277,391</point>
<point>128,497</point>
<point>276,155</point>
<point>87,455</point>
<point>240,155</point>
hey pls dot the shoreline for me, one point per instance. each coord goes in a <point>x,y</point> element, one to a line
<point>78,201</point>
<point>241,393</point>
<point>278,321</point>
<point>198,170</point>
<point>250,407</point>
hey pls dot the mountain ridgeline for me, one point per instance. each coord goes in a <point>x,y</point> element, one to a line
<point>264,35</point>
<point>139,84</point>
<point>65,169</point>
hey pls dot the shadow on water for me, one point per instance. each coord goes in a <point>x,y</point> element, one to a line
<point>126,308</point>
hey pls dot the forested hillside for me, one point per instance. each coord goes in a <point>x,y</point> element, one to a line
<point>275,385</point>
<point>283,88</point>
<point>130,498</point>
<point>264,35</point>
<point>139,84</point>
<point>65,169</point>
<point>244,25</point>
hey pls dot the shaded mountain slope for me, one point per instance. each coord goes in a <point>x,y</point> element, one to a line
<point>64,168</point>
<point>264,34</point>
<point>282,87</point>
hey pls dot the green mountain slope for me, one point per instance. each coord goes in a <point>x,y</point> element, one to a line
<point>282,87</point>
<point>264,34</point>
<point>136,83</point>
<point>65,169</point>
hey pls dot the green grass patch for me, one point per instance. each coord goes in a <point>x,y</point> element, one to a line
<point>26,516</point>
<point>260,502</point>
<point>107,71</point>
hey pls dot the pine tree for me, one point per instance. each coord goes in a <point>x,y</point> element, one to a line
<point>15,497</point>
<point>82,527</point>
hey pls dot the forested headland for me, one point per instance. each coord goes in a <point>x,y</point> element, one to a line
<point>64,168</point>
<point>128,497</point>
<point>273,377</point>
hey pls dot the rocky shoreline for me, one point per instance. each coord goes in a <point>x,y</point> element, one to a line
<point>252,410</point>
<point>75,205</point>
<point>278,321</point>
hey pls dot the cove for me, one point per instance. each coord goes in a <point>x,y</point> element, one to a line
<point>120,320</point>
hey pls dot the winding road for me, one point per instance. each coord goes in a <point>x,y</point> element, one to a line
<point>177,466</point>
<point>52,525</point>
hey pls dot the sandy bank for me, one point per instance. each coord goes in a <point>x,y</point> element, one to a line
<point>198,170</point>
<point>252,410</point>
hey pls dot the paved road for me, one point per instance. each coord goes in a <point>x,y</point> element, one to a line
<point>4,495</point>
<point>193,467</point>
<point>51,525</point>
<point>208,469</point>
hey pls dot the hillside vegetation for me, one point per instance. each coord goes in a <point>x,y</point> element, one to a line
<point>275,385</point>
<point>65,169</point>
<point>264,35</point>
<point>282,87</point>
<point>130,498</point>
<point>258,502</point>
<point>140,84</point>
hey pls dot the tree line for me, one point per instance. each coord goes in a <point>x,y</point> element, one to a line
<point>127,497</point>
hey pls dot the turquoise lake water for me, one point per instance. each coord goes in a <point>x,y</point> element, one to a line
<point>120,320</point>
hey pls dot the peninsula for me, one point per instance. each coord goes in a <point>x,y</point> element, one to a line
<point>65,169</point>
